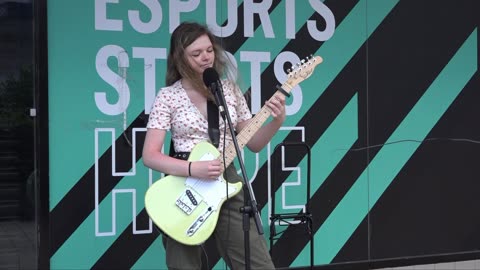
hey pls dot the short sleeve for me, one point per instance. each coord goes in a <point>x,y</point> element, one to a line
<point>160,114</point>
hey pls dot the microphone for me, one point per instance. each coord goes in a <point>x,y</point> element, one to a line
<point>212,81</point>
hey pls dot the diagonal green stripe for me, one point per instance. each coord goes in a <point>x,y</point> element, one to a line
<point>342,134</point>
<point>389,161</point>
<point>153,258</point>
<point>424,115</point>
<point>84,239</point>
<point>258,42</point>
<point>348,38</point>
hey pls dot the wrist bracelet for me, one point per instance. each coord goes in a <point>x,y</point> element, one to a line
<point>189,168</point>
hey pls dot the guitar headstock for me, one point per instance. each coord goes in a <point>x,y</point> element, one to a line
<point>302,70</point>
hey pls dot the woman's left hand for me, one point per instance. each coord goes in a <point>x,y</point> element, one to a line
<point>277,106</point>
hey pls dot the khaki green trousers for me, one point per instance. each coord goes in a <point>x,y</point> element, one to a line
<point>229,239</point>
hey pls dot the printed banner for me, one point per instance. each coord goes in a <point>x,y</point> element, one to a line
<point>377,156</point>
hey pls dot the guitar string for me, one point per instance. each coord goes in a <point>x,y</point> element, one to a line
<point>264,114</point>
<point>224,161</point>
<point>226,185</point>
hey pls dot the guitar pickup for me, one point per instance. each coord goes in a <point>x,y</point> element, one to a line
<point>188,201</point>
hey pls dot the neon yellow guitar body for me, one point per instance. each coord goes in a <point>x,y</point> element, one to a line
<point>187,209</point>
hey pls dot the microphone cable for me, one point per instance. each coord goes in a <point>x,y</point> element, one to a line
<point>226,183</point>
<point>411,140</point>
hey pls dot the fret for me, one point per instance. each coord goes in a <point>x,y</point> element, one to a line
<point>247,133</point>
<point>298,73</point>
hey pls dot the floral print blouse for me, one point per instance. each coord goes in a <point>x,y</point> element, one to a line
<point>172,110</point>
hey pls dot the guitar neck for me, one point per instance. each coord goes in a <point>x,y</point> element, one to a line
<point>298,73</point>
<point>247,132</point>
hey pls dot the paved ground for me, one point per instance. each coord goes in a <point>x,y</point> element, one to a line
<point>17,245</point>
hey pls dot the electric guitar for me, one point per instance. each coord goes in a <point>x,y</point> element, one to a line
<point>186,208</point>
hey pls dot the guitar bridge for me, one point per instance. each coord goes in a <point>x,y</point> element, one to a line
<point>188,201</point>
<point>199,221</point>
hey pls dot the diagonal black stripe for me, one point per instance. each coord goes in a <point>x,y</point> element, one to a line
<point>126,242</point>
<point>393,79</point>
<point>64,227</point>
<point>237,39</point>
<point>420,218</point>
<point>74,208</point>
<point>302,45</point>
<point>307,45</point>
<point>329,106</point>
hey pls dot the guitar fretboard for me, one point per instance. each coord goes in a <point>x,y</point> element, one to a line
<point>298,74</point>
<point>247,132</point>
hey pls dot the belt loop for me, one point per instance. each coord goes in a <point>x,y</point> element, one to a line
<point>181,155</point>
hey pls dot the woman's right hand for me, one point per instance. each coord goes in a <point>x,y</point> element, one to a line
<point>207,169</point>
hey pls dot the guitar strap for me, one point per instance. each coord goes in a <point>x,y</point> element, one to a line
<point>213,129</point>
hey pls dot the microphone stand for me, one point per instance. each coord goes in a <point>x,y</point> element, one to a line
<point>250,204</point>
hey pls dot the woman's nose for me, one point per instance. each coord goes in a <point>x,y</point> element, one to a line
<point>206,55</point>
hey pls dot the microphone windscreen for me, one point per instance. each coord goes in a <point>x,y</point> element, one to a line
<point>210,76</point>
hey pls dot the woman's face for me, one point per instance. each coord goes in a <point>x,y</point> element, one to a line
<point>200,54</point>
